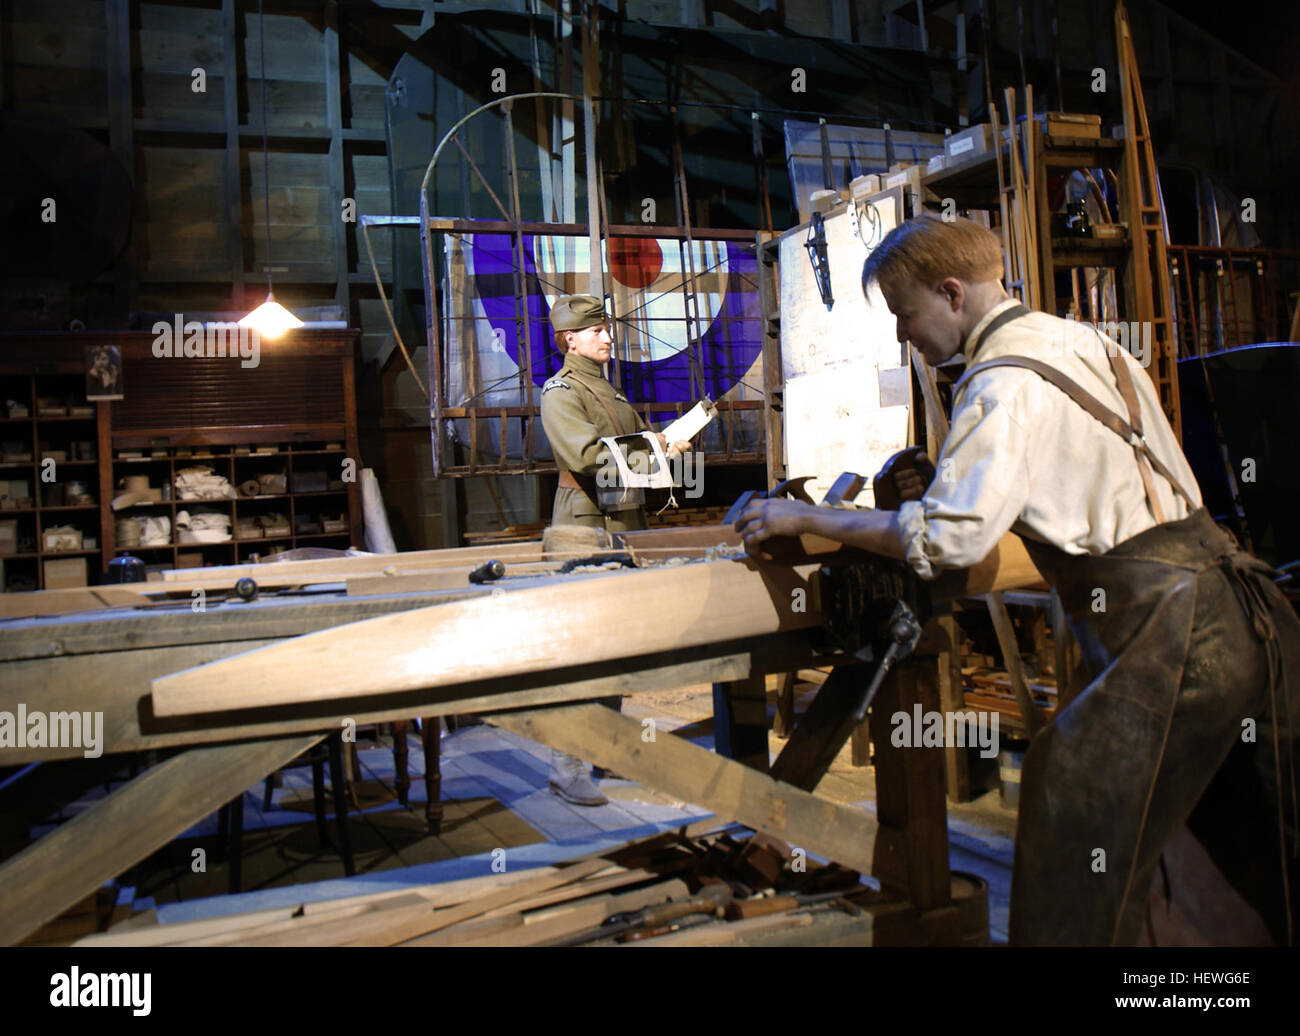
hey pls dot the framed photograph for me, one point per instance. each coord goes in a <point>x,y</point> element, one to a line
<point>103,372</point>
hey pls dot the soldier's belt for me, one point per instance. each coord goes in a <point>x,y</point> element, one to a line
<point>568,480</point>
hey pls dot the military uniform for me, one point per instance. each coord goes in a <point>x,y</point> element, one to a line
<point>579,407</point>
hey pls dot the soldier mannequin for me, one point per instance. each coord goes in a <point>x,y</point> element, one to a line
<point>579,408</point>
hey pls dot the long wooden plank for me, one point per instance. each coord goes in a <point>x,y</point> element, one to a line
<point>693,774</point>
<point>517,576</point>
<point>352,914</point>
<point>62,602</point>
<point>387,927</point>
<point>361,563</point>
<point>581,911</point>
<point>442,894</point>
<point>564,624</point>
<point>120,830</point>
<point>341,570</point>
<point>298,928</point>
<point>190,932</point>
<point>119,689</point>
<point>263,619</point>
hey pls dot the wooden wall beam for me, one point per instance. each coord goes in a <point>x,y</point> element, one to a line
<point>121,136</point>
<point>338,185</point>
<point>234,193</point>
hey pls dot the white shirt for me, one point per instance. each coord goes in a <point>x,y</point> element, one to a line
<point>1022,456</point>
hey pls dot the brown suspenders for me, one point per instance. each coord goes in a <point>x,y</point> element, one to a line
<point>1130,431</point>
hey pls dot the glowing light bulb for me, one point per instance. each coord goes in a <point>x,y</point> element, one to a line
<point>270,320</point>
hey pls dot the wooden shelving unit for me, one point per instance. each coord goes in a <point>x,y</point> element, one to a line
<point>41,437</point>
<point>972,183</point>
<point>303,512</point>
<point>298,401</point>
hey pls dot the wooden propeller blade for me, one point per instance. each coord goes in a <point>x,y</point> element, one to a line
<point>567,622</point>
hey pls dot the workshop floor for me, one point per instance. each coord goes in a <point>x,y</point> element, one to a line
<point>497,805</point>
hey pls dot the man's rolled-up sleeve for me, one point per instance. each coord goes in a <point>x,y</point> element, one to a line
<point>978,492</point>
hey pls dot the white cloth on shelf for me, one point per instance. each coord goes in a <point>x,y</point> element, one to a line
<point>155,530</point>
<point>202,527</point>
<point>199,483</point>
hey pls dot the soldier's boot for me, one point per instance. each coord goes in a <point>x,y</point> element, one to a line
<point>570,780</point>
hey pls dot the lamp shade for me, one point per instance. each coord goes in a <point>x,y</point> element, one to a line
<point>270,320</point>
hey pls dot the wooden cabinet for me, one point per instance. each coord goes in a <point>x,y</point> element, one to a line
<point>286,410</point>
<point>49,477</point>
<point>285,495</point>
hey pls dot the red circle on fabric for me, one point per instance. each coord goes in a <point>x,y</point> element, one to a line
<point>635,261</point>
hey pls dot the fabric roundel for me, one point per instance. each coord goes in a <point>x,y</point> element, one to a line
<point>685,318</point>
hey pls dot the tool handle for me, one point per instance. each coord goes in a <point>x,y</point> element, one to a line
<point>886,663</point>
<point>884,486</point>
<point>747,908</point>
<point>487,572</point>
<point>666,912</point>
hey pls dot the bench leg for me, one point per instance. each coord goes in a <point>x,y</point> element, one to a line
<point>431,729</point>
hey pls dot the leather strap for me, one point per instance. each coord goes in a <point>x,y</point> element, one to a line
<point>1098,410</point>
<point>1005,317</point>
<point>1129,395</point>
<point>568,480</point>
<point>618,425</point>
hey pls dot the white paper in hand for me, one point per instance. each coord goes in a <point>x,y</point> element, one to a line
<point>689,425</point>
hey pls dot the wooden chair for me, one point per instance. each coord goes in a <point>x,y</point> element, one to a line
<point>431,735</point>
<point>230,819</point>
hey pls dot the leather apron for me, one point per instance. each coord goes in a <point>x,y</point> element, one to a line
<point>1188,665</point>
<point>1159,806</point>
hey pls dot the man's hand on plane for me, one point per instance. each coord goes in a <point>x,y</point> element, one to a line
<point>763,519</point>
<point>910,485</point>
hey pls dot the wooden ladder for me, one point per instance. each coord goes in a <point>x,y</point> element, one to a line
<point>1017,205</point>
<point>1149,299</point>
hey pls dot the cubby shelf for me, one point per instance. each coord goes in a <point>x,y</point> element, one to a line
<point>300,400</point>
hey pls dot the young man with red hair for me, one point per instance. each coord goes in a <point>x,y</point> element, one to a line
<point>1159,806</point>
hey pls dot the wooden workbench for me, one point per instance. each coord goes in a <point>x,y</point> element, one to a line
<point>104,662</point>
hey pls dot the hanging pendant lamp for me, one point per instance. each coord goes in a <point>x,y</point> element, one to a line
<point>270,320</point>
